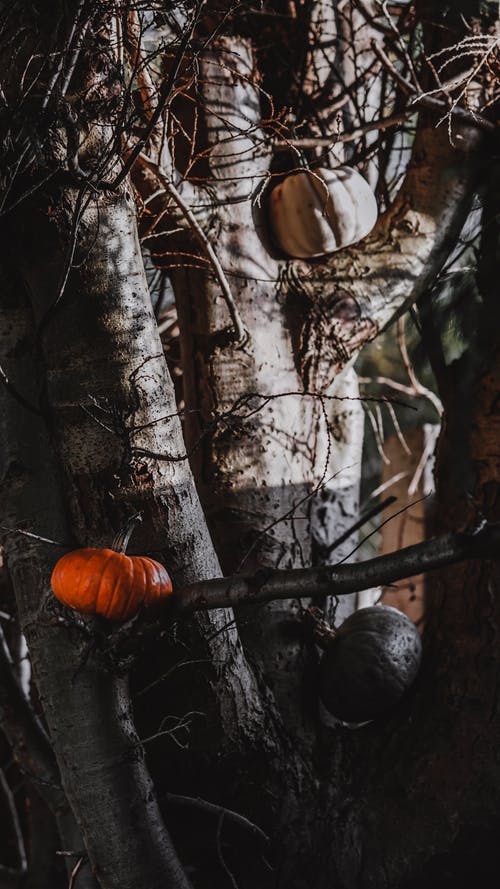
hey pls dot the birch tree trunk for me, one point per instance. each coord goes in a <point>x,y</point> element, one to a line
<point>258,476</point>
<point>86,706</point>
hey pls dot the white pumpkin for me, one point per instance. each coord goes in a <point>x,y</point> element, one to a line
<point>313,213</point>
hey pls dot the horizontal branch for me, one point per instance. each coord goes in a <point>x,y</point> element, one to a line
<point>327,141</point>
<point>339,580</point>
<point>471,118</point>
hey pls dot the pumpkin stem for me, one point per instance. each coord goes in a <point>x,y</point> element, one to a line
<point>120,541</point>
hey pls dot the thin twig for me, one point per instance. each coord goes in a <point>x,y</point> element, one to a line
<point>378,440</point>
<point>181,724</point>
<point>240,331</point>
<point>394,515</point>
<point>213,809</point>
<point>164,94</point>
<point>407,57</point>
<point>68,260</point>
<point>399,431</point>
<point>222,860</point>
<point>65,853</point>
<point>74,57</point>
<point>418,387</point>
<point>25,733</point>
<point>426,453</point>
<point>371,20</point>
<point>429,102</point>
<point>34,536</point>
<point>351,136</point>
<point>74,872</point>
<point>165,676</point>
<point>60,68</point>
<point>361,521</point>
<point>388,484</point>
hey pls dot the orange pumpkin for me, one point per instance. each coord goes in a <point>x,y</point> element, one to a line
<point>103,581</point>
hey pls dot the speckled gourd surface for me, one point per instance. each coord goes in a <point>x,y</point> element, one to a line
<point>370,664</point>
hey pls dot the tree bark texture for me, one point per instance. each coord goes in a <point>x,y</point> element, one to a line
<point>282,443</point>
<point>107,409</point>
<point>273,429</point>
<point>121,825</point>
<point>256,473</point>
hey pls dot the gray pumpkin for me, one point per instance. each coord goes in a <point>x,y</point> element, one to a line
<point>371,662</point>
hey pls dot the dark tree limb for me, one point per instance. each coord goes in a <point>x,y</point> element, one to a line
<point>33,753</point>
<point>32,750</point>
<point>340,580</point>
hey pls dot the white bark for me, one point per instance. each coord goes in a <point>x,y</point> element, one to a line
<point>259,469</point>
<point>260,459</point>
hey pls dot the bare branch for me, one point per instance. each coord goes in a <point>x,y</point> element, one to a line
<point>34,536</point>
<point>75,871</point>
<point>370,514</point>
<point>432,104</point>
<point>272,584</point>
<point>418,387</point>
<point>360,290</point>
<point>175,194</point>
<point>164,94</point>
<point>190,802</point>
<point>328,141</point>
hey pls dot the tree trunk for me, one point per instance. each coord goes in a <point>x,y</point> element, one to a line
<point>77,689</point>
<point>108,406</point>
